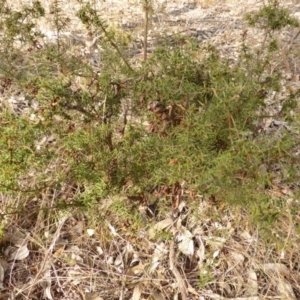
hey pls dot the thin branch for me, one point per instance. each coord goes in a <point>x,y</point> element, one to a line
<point>146,8</point>
<point>116,47</point>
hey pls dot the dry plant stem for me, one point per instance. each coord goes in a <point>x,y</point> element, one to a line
<point>57,279</point>
<point>292,40</point>
<point>13,264</point>
<point>146,8</point>
<point>122,294</point>
<point>176,273</point>
<point>116,47</point>
<point>48,251</point>
<point>40,223</point>
<point>104,107</point>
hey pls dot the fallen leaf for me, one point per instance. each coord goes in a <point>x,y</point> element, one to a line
<point>1,276</point>
<point>251,288</point>
<point>92,296</point>
<point>158,296</point>
<point>137,292</point>
<point>159,254</point>
<point>77,230</point>
<point>18,253</point>
<point>136,270</point>
<point>285,290</point>
<point>160,226</point>
<point>112,229</point>
<point>201,250</point>
<point>186,243</point>
<point>90,232</point>
<point>46,281</point>
<point>99,250</point>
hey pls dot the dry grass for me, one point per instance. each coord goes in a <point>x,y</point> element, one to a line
<point>110,254</point>
<point>207,3</point>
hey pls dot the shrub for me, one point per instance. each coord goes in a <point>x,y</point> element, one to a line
<point>203,115</point>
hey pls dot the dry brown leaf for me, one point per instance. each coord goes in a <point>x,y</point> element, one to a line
<point>136,270</point>
<point>191,290</point>
<point>246,236</point>
<point>60,243</point>
<point>158,296</point>
<point>252,284</point>
<point>47,293</point>
<point>99,250</point>
<point>127,253</point>
<point>159,254</point>
<point>186,243</point>
<point>1,276</point>
<point>200,252</point>
<point>160,226</point>
<point>14,253</point>
<point>237,257</point>
<point>46,280</point>
<point>137,292</point>
<point>77,230</point>
<point>119,262</point>
<point>275,269</point>
<point>277,273</point>
<point>112,229</point>
<point>90,231</point>
<point>244,298</point>
<point>218,297</point>
<point>179,280</point>
<point>59,253</point>
<point>17,238</point>
<point>285,290</point>
<point>92,296</point>
<point>75,275</point>
<point>4,264</point>
<point>216,242</point>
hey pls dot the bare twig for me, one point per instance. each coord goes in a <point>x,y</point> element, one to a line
<point>116,47</point>
<point>146,7</point>
<point>176,273</point>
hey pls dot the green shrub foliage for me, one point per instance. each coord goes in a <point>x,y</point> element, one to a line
<point>120,127</point>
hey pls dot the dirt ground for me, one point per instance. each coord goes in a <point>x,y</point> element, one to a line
<point>216,21</point>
